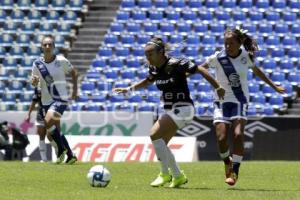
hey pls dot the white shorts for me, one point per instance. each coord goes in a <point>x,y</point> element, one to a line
<point>226,112</point>
<point>182,116</point>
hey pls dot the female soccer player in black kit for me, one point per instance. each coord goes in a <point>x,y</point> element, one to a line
<point>170,76</point>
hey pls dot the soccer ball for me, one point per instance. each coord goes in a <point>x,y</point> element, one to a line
<point>98,176</point>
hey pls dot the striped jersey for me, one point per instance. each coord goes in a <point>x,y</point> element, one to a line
<point>232,73</point>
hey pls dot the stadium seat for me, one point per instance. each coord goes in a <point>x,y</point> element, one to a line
<point>269,65</point>
<point>107,86</point>
<point>278,53</point>
<point>294,53</point>
<point>127,5</point>
<point>276,101</point>
<point>99,97</point>
<point>172,15</point>
<point>200,109</point>
<point>295,29</point>
<point>281,29</point>
<point>46,28</point>
<point>27,27</point>
<point>217,28</point>
<point>155,15</point>
<point>26,96</point>
<point>279,5</point>
<point>7,4</point>
<point>105,52</point>
<point>167,28</point>
<point>76,5</point>
<point>6,40</point>
<point>115,62</point>
<point>273,17</point>
<point>143,39</point>
<point>195,5</point>
<point>111,40</point>
<point>289,17</point>
<point>289,41</point>
<point>135,98</point>
<point>144,4</point>
<point>245,4</point>
<point>128,74</point>
<point>150,27</point>
<point>15,86</point>
<point>58,5</point>
<point>70,17</point>
<point>64,29</point>
<point>139,15</point>
<point>10,27</point>
<point>2,52</point>
<point>256,17</point>
<point>253,87</point>
<point>16,51</point>
<point>127,40</point>
<point>113,97</point>
<point>211,4</point>
<point>200,28</point>
<point>142,74</point>
<point>116,28</point>
<point>153,97</point>
<point>178,4</point>
<point>262,5</point>
<point>206,16</point>
<point>17,15</point>
<point>191,52</point>
<point>24,4</point>
<point>52,16</point>
<point>93,76</point>
<point>265,29</point>
<point>133,63</point>
<point>294,78</point>
<point>183,28</point>
<point>82,98</point>
<point>87,87</point>
<point>208,51</point>
<point>229,5</point>
<point>133,28</point>
<point>268,110</point>
<point>189,16</point>
<point>41,5</point>
<point>267,90</point>
<point>294,5</point>
<point>26,62</point>
<point>146,108</point>
<point>238,15</point>
<point>138,52</point>
<point>123,16</point>
<point>278,77</point>
<point>191,40</point>
<point>204,87</point>
<point>286,65</point>
<point>33,51</point>
<point>222,16</point>
<point>208,40</point>
<point>34,16</point>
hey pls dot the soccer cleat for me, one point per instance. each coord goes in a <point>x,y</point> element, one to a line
<point>232,179</point>
<point>161,179</point>
<point>228,168</point>
<point>61,156</point>
<point>71,160</point>
<point>178,181</point>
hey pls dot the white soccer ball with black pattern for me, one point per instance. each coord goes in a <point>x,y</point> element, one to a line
<point>99,176</point>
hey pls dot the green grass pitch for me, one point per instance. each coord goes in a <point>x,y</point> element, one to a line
<point>43,181</point>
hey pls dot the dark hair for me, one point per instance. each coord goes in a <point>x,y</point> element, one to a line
<point>159,44</point>
<point>249,43</point>
<point>51,37</point>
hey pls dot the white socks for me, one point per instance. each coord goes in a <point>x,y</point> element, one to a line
<point>224,155</point>
<point>166,157</point>
<point>54,145</point>
<point>43,150</point>
<point>172,164</point>
<point>161,153</point>
<point>237,158</point>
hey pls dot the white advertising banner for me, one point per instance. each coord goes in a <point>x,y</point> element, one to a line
<point>122,149</point>
<point>89,123</point>
<point>118,148</point>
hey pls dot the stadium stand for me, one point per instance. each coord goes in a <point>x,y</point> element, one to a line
<point>111,43</point>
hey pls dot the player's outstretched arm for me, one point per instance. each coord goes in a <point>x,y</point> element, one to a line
<point>258,72</point>
<point>202,69</point>
<point>74,81</point>
<point>142,84</point>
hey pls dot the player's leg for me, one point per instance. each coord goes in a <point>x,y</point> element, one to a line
<point>238,125</point>
<point>42,145</point>
<point>41,130</point>
<point>52,122</point>
<point>238,147</point>
<point>163,125</point>
<point>71,159</point>
<point>222,125</point>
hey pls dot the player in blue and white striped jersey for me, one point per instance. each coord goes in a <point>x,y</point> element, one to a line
<point>231,66</point>
<point>51,71</point>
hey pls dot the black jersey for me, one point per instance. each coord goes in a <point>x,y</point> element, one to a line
<point>172,81</point>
